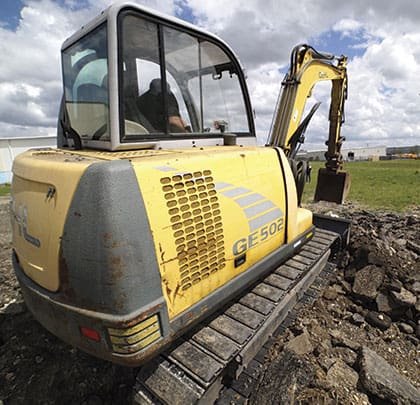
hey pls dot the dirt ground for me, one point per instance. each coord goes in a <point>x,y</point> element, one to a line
<point>338,325</point>
<point>36,367</point>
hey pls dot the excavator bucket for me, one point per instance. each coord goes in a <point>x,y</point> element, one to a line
<point>332,186</point>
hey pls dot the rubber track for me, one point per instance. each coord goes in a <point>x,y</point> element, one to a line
<point>227,352</point>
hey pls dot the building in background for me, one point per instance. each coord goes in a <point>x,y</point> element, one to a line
<point>349,154</point>
<point>11,147</point>
<point>406,152</point>
<point>368,153</point>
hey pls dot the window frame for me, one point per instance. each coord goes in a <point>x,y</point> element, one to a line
<point>63,108</point>
<point>161,23</point>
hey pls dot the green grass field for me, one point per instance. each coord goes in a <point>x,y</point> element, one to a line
<point>390,185</point>
<point>4,189</point>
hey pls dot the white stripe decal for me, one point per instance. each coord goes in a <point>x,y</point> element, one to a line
<point>265,219</point>
<point>235,192</point>
<point>249,199</point>
<point>258,209</point>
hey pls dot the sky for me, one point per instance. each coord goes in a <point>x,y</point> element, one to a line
<point>380,37</point>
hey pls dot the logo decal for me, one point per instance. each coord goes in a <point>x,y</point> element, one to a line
<point>242,245</point>
<point>21,217</point>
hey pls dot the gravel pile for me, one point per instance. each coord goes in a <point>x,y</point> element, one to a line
<point>359,342</point>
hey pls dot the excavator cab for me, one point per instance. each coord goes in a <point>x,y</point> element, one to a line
<point>135,81</point>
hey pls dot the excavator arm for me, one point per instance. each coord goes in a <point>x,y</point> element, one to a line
<point>307,68</point>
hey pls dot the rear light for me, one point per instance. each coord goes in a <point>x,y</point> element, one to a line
<point>136,337</point>
<point>90,333</point>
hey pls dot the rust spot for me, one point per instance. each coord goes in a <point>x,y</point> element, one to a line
<point>67,293</point>
<point>169,260</point>
<point>116,260</point>
<point>177,292</point>
<point>116,268</point>
<point>162,253</point>
<point>109,242</point>
<point>127,324</point>
<point>167,289</point>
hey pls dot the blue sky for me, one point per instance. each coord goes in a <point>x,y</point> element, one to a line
<point>381,39</point>
<point>332,41</point>
<point>336,43</point>
<point>9,13</point>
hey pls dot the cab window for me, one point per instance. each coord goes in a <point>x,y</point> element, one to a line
<point>85,71</point>
<point>175,84</point>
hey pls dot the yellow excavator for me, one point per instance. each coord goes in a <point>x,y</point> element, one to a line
<point>158,219</point>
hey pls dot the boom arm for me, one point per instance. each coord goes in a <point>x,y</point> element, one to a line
<point>307,68</point>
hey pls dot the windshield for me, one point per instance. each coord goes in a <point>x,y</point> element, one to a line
<point>174,83</point>
<point>85,71</point>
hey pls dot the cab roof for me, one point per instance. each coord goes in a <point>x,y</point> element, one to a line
<point>112,13</point>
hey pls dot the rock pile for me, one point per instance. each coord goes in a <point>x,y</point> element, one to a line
<point>382,271</point>
<point>361,337</point>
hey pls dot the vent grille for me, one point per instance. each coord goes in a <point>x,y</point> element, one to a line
<point>134,153</point>
<point>196,222</point>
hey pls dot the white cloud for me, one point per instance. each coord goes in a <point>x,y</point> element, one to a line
<point>30,71</point>
<point>383,105</point>
<point>347,26</point>
<point>384,101</point>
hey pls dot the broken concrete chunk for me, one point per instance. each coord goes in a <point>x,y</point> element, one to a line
<point>330,293</point>
<point>283,377</point>
<point>326,362</point>
<point>340,374</point>
<point>300,344</point>
<point>383,303</point>
<point>382,380</point>
<point>347,355</point>
<point>415,288</point>
<point>404,297</point>
<point>400,242</point>
<point>367,281</point>
<point>338,339</point>
<point>357,319</point>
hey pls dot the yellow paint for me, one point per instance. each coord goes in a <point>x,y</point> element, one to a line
<point>35,172</point>
<point>255,169</point>
<point>299,219</point>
